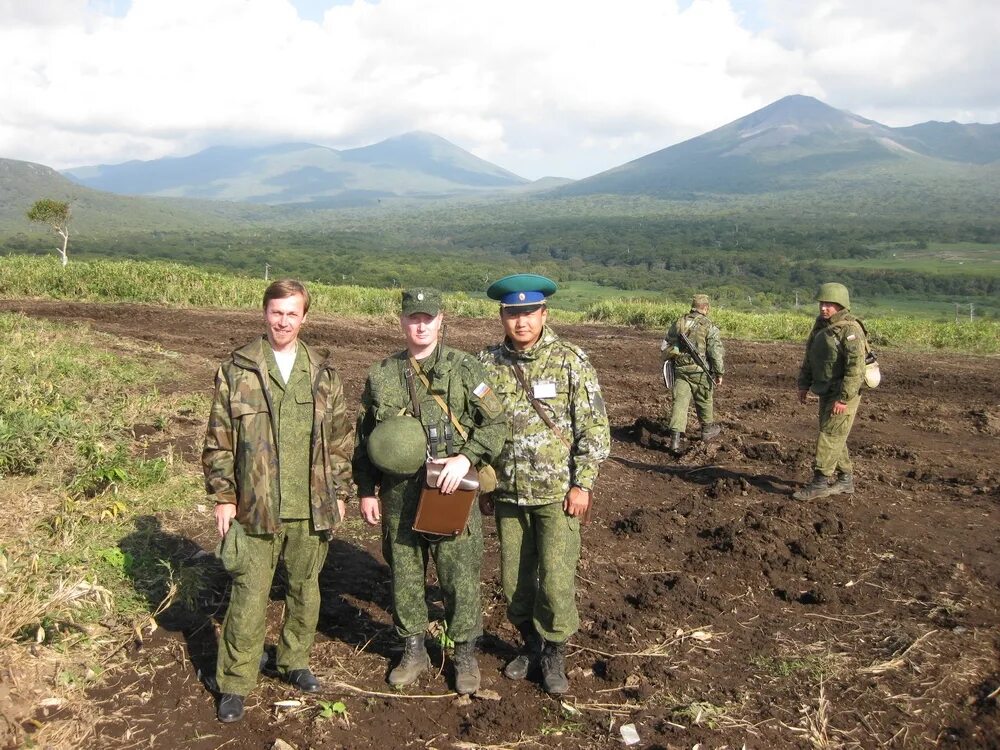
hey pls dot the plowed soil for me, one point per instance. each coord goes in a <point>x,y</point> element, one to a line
<point>715,608</point>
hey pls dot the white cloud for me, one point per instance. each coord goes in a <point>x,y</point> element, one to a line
<point>566,87</point>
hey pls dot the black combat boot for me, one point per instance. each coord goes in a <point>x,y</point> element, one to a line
<point>844,484</point>
<point>819,487</point>
<point>414,661</point>
<point>710,431</point>
<point>466,669</point>
<point>554,668</point>
<point>531,648</point>
<point>230,708</point>
<point>303,679</point>
<point>675,442</point>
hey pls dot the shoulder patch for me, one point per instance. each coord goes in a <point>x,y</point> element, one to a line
<point>481,390</point>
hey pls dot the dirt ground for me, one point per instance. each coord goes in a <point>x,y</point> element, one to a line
<point>716,610</point>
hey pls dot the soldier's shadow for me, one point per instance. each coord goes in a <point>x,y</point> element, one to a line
<point>187,589</point>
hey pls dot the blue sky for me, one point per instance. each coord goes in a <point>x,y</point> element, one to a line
<point>540,87</point>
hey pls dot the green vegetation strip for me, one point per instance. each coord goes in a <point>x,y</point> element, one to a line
<point>178,285</point>
<point>81,550</point>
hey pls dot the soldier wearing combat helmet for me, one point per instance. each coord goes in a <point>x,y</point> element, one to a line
<point>833,368</point>
<point>545,474</point>
<point>427,400</point>
<point>691,381</point>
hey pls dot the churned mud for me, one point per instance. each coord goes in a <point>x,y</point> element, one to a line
<point>715,608</point>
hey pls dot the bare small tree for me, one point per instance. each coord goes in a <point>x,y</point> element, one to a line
<point>56,215</point>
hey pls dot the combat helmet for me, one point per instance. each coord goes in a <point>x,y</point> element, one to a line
<point>398,446</point>
<point>836,293</point>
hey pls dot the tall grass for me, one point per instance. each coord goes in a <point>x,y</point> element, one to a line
<point>172,284</point>
<point>72,483</point>
<point>979,337</point>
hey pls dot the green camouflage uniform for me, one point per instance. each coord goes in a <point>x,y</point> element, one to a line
<point>539,542</point>
<point>281,453</point>
<point>834,369</point>
<point>690,381</point>
<point>459,380</point>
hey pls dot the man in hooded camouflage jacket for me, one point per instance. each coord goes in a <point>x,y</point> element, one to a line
<point>545,474</point>
<point>833,368</point>
<point>277,463</point>
<point>691,382</point>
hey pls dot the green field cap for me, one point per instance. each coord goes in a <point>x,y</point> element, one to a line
<point>422,300</point>
<point>699,300</point>
<point>522,290</point>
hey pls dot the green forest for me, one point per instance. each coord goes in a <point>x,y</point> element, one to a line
<point>749,255</point>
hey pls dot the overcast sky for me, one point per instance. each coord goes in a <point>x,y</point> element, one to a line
<point>540,87</point>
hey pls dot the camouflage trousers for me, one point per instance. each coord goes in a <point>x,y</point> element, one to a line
<point>688,388</point>
<point>539,552</point>
<point>831,446</point>
<point>243,629</point>
<point>457,560</point>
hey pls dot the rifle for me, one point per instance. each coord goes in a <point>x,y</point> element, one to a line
<point>695,356</point>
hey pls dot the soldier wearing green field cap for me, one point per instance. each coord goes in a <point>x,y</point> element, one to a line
<point>429,400</point>
<point>691,380</point>
<point>833,368</point>
<point>545,474</point>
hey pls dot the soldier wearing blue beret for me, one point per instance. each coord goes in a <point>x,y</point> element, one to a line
<point>545,473</point>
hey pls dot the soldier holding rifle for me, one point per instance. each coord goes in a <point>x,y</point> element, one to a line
<point>692,349</point>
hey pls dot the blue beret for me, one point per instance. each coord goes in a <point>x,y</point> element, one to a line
<point>521,289</point>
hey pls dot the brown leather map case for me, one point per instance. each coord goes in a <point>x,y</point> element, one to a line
<point>445,515</point>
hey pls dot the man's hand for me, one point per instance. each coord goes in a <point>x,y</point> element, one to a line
<point>370,510</point>
<point>577,502</point>
<point>486,505</point>
<point>839,407</point>
<point>454,470</point>
<point>803,395</point>
<point>718,380</point>
<point>224,515</point>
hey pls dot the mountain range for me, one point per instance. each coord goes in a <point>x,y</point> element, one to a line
<point>412,165</point>
<point>798,142</point>
<point>795,149</point>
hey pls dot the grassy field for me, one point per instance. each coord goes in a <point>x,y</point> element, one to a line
<point>83,563</point>
<point>937,258</point>
<point>177,285</point>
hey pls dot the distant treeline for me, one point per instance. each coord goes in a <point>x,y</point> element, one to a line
<point>750,263</point>
<point>172,284</point>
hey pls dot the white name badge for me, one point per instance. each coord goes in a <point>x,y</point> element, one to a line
<point>544,390</point>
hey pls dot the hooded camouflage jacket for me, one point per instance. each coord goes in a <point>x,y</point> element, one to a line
<point>834,361</point>
<point>536,467</point>
<point>705,336</point>
<point>240,458</point>
<point>459,381</point>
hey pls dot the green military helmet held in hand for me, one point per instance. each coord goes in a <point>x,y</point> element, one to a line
<point>398,446</point>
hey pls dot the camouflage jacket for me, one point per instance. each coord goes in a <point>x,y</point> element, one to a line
<point>240,458</point>
<point>834,361</point>
<point>536,467</point>
<point>455,377</point>
<point>704,334</point>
